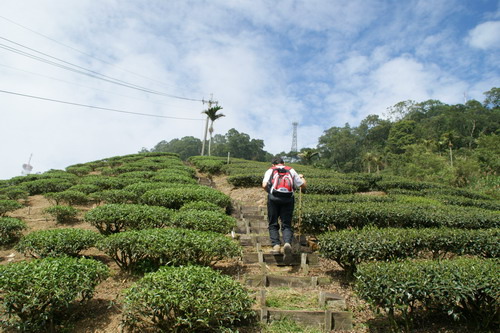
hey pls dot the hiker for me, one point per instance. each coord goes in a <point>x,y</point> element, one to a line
<point>279,182</point>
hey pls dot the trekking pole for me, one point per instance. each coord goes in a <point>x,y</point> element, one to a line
<point>300,215</point>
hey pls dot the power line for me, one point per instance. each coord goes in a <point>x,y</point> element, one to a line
<point>85,71</point>
<point>80,51</point>
<point>95,107</point>
<point>85,86</point>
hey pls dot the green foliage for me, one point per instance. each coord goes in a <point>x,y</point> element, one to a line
<point>106,182</point>
<point>113,218</point>
<point>250,180</point>
<point>349,248</point>
<point>14,192</point>
<point>320,217</point>
<point>62,214</point>
<point>185,147</point>
<point>147,250</point>
<point>176,197</point>
<point>172,178</point>
<point>464,288</point>
<point>321,186</point>
<point>207,164</point>
<point>138,189</point>
<point>47,185</point>
<point>186,299</point>
<point>10,229</point>
<point>57,242</point>
<point>8,206</point>
<point>33,294</point>
<point>70,197</point>
<point>201,205</point>
<point>81,170</point>
<point>216,221</point>
<point>84,188</point>
<point>114,196</point>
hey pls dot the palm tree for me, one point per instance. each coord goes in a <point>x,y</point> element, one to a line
<point>213,116</point>
<point>307,155</point>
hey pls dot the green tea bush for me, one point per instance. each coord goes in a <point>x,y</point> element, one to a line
<point>81,170</point>
<point>14,193</point>
<point>70,197</point>
<point>178,179</point>
<point>34,294</point>
<point>62,214</point>
<point>201,205</point>
<point>187,299</point>
<point>204,220</point>
<point>321,217</point>
<point>41,186</point>
<point>114,196</point>
<point>251,180</point>
<point>84,188</point>
<point>320,186</point>
<point>147,250</point>
<point>106,182</point>
<point>176,197</point>
<point>57,242</point>
<point>207,164</point>
<point>464,288</point>
<point>137,174</point>
<point>10,229</point>
<point>113,218</point>
<point>9,206</point>
<point>349,248</point>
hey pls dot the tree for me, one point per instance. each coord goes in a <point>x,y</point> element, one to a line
<point>307,155</point>
<point>213,116</point>
<point>185,147</point>
<point>339,149</point>
<point>400,136</point>
<point>492,99</point>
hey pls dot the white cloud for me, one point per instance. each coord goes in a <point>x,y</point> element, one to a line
<point>485,36</point>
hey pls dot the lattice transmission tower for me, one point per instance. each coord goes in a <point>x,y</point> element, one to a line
<point>294,137</point>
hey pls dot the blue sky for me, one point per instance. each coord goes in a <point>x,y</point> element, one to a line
<point>321,63</point>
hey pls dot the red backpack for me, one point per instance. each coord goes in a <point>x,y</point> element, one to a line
<point>281,182</point>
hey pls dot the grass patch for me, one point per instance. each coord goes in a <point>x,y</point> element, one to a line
<point>286,298</point>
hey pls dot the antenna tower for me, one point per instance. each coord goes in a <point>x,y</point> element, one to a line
<point>294,137</point>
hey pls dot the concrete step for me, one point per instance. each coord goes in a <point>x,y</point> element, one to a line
<point>298,259</point>
<point>264,280</point>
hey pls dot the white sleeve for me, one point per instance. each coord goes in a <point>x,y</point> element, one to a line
<point>297,182</point>
<point>267,175</point>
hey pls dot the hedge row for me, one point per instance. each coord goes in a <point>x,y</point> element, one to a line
<point>8,206</point>
<point>464,288</point>
<point>176,197</point>
<point>114,218</point>
<point>322,217</point>
<point>57,242</point>
<point>10,229</point>
<point>186,299</point>
<point>34,294</point>
<point>349,248</point>
<point>147,250</point>
<point>207,164</point>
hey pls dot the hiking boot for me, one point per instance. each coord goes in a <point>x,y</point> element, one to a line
<point>287,254</point>
<point>276,249</point>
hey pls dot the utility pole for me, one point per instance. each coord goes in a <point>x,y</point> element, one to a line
<point>294,137</point>
<point>210,102</point>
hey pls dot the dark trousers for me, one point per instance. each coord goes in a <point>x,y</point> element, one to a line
<point>281,208</point>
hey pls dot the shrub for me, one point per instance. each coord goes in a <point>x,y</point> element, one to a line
<point>80,170</point>
<point>34,293</point>
<point>466,288</point>
<point>85,188</point>
<point>320,186</point>
<point>349,248</point>
<point>62,214</point>
<point>8,206</point>
<point>41,186</point>
<point>146,250</point>
<point>114,196</point>
<point>10,229</point>
<point>178,179</point>
<point>57,242</point>
<point>176,197</point>
<point>138,189</point>
<point>201,205</point>
<point>14,193</point>
<point>208,164</point>
<point>113,218</point>
<point>204,221</point>
<point>186,299</point>
<point>107,183</point>
<point>69,197</point>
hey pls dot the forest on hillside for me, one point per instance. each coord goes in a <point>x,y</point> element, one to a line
<point>428,141</point>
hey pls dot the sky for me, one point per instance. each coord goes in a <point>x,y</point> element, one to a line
<point>89,79</point>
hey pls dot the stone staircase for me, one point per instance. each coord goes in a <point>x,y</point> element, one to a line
<point>302,275</point>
